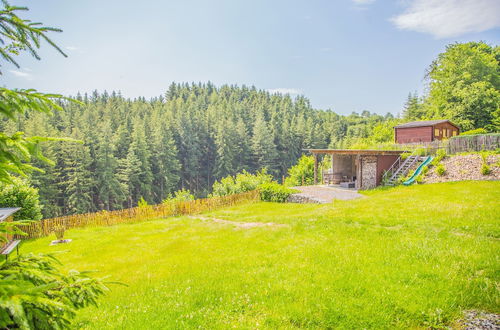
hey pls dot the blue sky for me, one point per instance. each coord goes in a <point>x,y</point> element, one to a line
<point>345,55</point>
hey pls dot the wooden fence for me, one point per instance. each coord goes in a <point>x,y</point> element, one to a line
<point>461,143</point>
<point>466,143</point>
<point>137,214</point>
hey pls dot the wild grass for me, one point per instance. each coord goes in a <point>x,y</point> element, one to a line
<point>403,257</point>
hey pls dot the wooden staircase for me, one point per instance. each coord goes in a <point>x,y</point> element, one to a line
<point>400,169</point>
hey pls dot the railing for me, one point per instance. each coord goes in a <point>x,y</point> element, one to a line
<point>137,214</point>
<point>393,169</point>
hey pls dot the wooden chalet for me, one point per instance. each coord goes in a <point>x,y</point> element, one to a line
<point>425,131</point>
<point>360,169</point>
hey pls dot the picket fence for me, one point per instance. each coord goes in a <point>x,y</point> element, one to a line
<point>137,214</point>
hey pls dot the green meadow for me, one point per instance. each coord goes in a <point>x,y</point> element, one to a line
<point>405,257</point>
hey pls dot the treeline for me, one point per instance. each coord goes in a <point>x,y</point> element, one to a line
<point>187,139</point>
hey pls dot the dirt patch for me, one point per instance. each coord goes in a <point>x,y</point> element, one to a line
<point>324,194</point>
<point>465,167</point>
<point>242,225</point>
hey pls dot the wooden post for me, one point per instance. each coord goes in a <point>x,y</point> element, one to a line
<point>315,169</point>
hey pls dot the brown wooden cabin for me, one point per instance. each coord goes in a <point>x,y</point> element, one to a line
<point>425,131</point>
<point>361,168</point>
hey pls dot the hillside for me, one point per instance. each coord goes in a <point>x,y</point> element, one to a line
<point>466,167</point>
<point>407,257</point>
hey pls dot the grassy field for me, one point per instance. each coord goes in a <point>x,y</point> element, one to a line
<point>399,258</point>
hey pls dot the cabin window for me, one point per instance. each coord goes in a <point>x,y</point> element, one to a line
<point>448,132</point>
<point>436,132</point>
<point>454,133</point>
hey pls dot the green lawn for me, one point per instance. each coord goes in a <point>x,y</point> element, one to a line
<point>398,258</point>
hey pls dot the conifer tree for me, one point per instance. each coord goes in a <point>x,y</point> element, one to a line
<point>263,148</point>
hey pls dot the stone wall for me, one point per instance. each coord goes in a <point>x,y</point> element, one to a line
<point>368,172</point>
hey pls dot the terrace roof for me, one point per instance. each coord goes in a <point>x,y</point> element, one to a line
<point>7,212</point>
<point>355,151</point>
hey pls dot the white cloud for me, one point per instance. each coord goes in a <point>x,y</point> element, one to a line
<point>71,48</point>
<point>291,91</point>
<point>449,18</point>
<point>20,74</point>
<point>363,2</point>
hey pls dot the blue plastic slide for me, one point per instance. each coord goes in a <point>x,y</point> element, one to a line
<point>418,171</point>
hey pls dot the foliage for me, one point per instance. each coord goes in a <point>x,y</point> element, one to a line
<point>362,260</point>
<point>36,295</point>
<point>182,195</point>
<point>474,132</point>
<point>59,231</point>
<point>465,86</point>
<point>142,203</point>
<point>485,169</point>
<point>18,193</point>
<point>440,170</point>
<point>242,182</point>
<point>440,155</point>
<point>19,36</point>
<point>274,192</point>
<point>302,173</point>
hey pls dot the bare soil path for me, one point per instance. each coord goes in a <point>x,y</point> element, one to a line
<point>242,225</point>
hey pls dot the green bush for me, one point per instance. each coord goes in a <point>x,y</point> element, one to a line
<point>475,131</point>
<point>440,155</point>
<point>302,173</point>
<point>485,169</point>
<point>274,192</point>
<point>182,195</point>
<point>405,155</point>
<point>440,170</point>
<point>240,183</point>
<point>20,194</point>
<point>142,203</point>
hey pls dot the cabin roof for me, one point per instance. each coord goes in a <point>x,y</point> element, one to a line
<point>423,123</point>
<point>7,212</point>
<point>355,151</point>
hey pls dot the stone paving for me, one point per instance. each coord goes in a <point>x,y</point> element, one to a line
<point>325,194</point>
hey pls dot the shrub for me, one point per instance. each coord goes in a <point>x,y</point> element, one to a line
<point>485,169</point>
<point>405,155</point>
<point>440,155</point>
<point>240,183</point>
<point>59,231</point>
<point>302,173</point>
<point>20,194</point>
<point>142,203</point>
<point>440,170</point>
<point>182,195</point>
<point>274,192</point>
<point>475,131</point>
